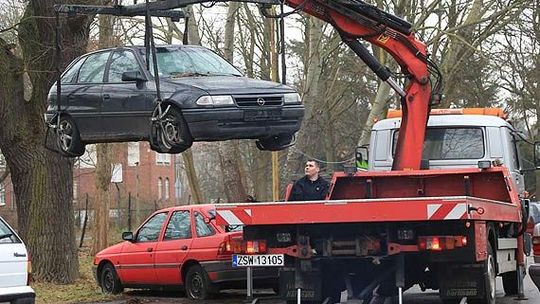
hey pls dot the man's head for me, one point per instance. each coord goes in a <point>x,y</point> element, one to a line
<point>312,169</point>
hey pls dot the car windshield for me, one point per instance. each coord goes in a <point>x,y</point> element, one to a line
<point>6,235</point>
<point>188,62</point>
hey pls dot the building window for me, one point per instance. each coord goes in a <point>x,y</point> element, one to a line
<point>163,159</point>
<point>2,195</point>
<point>75,190</point>
<point>88,159</point>
<point>133,154</point>
<point>160,188</point>
<point>166,188</point>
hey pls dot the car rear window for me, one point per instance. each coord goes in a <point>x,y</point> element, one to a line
<point>7,236</point>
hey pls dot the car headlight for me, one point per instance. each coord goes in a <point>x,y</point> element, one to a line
<point>220,100</point>
<point>291,98</point>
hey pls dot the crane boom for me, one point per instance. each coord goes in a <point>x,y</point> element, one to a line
<point>355,20</point>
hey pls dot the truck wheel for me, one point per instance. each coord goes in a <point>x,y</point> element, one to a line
<point>489,279</point>
<point>198,285</point>
<point>174,135</point>
<point>510,283</point>
<point>109,281</point>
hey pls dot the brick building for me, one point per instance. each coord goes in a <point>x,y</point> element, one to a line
<point>148,177</point>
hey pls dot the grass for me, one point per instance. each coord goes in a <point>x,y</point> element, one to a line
<point>83,290</point>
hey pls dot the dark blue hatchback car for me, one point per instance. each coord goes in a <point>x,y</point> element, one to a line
<point>110,96</point>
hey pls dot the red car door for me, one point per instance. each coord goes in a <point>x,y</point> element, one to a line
<point>136,263</point>
<point>172,250</point>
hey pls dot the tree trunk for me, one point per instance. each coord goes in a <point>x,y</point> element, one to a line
<point>42,180</point>
<point>102,201</point>
<point>187,156</point>
<point>311,95</point>
<point>229,156</point>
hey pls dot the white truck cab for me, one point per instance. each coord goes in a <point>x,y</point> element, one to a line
<point>456,138</point>
<point>14,268</point>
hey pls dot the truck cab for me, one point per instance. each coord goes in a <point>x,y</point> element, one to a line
<point>455,138</point>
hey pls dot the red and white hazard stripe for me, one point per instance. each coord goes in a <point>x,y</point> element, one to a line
<point>449,211</point>
<point>236,216</point>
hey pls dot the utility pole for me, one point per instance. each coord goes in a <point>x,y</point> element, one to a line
<point>275,77</point>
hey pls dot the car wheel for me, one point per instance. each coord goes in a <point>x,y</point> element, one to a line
<point>68,138</point>
<point>109,281</point>
<point>275,142</point>
<point>198,285</point>
<point>172,133</point>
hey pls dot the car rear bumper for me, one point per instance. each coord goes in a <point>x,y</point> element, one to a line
<point>227,123</point>
<point>534,272</point>
<point>23,294</point>
<point>222,271</point>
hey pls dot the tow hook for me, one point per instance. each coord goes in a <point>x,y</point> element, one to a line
<point>479,210</point>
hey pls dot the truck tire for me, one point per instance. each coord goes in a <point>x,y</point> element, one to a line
<point>510,283</point>
<point>489,279</point>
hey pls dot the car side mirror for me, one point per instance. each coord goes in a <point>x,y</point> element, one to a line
<point>128,236</point>
<point>537,154</point>
<point>133,76</point>
<point>362,157</point>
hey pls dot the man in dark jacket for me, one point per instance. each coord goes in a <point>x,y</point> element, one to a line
<point>311,187</point>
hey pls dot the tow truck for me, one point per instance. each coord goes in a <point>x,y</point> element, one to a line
<point>452,228</point>
<point>452,222</point>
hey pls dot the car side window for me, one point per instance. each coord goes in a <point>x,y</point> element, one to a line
<point>71,75</point>
<point>122,61</point>
<point>93,68</point>
<point>149,232</point>
<point>179,226</point>
<point>6,235</point>
<point>203,228</point>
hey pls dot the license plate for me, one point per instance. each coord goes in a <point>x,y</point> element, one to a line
<point>258,115</point>
<point>239,260</point>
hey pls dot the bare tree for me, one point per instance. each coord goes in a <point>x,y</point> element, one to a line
<point>42,179</point>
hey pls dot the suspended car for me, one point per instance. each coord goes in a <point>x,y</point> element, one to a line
<point>111,96</point>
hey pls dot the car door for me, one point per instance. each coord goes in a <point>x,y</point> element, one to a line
<point>126,107</point>
<point>84,97</point>
<point>13,258</point>
<point>171,252</point>
<point>136,263</point>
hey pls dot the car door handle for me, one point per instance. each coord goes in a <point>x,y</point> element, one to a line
<point>106,96</point>
<point>184,247</point>
<point>150,249</point>
<point>19,255</point>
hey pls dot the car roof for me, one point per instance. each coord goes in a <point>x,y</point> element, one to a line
<point>141,47</point>
<point>189,207</point>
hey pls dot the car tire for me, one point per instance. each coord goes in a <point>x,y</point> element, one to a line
<point>198,285</point>
<point>68,138</point>
<point>109,281</point>
<point>489,280</point>
<point>275,142</point>
<point>174,136</point>
<point>510,283</point>
<point>24,301</point>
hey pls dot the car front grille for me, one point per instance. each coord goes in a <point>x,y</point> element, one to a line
<point>258,101</point>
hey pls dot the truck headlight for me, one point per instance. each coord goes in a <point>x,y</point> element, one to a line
<point>291,98</point>
<point>220,100</point>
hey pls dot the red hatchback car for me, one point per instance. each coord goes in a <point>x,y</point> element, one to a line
<point>177,247</point>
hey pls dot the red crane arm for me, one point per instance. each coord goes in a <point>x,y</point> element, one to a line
<point>409,52</point>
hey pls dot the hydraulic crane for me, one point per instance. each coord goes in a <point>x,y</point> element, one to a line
<point>355,20</point>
